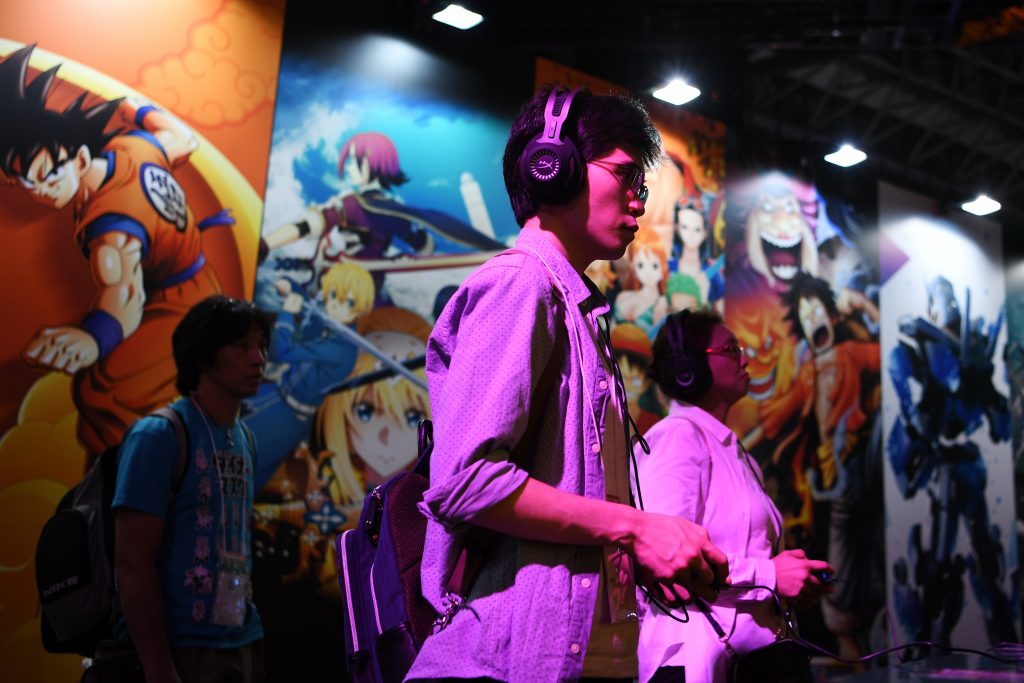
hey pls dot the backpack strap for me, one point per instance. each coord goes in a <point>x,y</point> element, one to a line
<point>250,438</point>
<point>181,434</point>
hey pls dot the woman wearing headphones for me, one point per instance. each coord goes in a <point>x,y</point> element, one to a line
<point>697,469</point>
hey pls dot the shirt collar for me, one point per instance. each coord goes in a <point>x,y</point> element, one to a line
<point>708,422</point>
<point>579,288</point>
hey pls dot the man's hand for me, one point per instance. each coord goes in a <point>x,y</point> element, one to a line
<point>798,578</point>
<point>62,348</point>
<point>678,556</point>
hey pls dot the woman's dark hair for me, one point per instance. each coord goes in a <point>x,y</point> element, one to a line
<point>680,365</point>
<point>210,325</point>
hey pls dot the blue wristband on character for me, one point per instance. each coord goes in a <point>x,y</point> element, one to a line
<point>105,329</point>
<point>141,114</point>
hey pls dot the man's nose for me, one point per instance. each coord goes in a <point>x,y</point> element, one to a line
<point>635,206</point>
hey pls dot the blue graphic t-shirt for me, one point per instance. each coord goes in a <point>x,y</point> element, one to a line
<point>212,509</point>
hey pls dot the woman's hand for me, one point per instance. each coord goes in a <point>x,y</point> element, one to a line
<point>799,579</point>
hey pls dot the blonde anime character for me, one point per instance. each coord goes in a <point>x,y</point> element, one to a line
<point>310,358</point>
<point>362,435</point>
<point>370,430</point>
<point>644,304</point>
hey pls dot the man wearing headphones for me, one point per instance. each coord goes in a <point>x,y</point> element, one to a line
<point>531,441</point>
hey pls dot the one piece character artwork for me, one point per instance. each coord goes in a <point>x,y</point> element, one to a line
<point>642,301</point>
<point>942,371</point>
<point>697,281</point>
<point>633,353</point>
<point>679,212</point>
<point>311,353</point>
<point>774,219</point>
<point>833,404</point>
<point>113,164</point>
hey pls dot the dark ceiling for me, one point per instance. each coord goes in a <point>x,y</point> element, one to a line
<point>932,90</point>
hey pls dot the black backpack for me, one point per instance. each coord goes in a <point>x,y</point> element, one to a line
<point>75,555</point>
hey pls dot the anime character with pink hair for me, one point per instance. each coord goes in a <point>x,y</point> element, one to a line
<point>367,221</point>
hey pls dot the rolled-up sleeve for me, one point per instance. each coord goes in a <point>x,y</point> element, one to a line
<point>484,360</point>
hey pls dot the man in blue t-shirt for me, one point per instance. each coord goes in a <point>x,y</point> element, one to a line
<point>183,538</point>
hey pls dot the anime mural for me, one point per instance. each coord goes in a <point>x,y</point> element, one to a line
<point>802,298</point>
<point>125,213</point>
<point>951,555</point>
<point>381,200</point>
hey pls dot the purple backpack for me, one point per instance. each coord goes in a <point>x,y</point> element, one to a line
<point>386,618</point>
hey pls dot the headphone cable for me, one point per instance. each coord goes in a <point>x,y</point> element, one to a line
<point>1016,648</point>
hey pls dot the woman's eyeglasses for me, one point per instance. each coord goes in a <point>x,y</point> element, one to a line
<point>733,350</point>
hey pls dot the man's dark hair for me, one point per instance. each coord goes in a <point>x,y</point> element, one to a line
<point>210,325</point>
<point>681,346</point>
<point>597,124</point>
<point>27,127</point>
<point>806,286</point>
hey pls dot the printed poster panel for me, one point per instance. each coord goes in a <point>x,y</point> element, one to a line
<point>383,195</point>
<point>192,139</point>
<point>951,561</point>
<point>802,299</point>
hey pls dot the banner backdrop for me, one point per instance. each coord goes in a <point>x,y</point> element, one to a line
<point>384,194</point>
<point>802,298</point>
<point>206,71</point>
<point>950,541</point>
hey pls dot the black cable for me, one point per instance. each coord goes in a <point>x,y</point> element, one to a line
<point>634,437</point>
<point>793,635</point>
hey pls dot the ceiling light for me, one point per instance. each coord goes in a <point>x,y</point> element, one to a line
<point>458,16</point>
<point>846,156</point>
<point>982,206</point>
<point>677,92</point>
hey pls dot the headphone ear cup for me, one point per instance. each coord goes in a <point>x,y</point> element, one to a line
<point>552,173</point>
<point>692,376</point>
<point>551,166</point>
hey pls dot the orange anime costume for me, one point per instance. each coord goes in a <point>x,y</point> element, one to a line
<point>141,198</point>
<point>852,360</point>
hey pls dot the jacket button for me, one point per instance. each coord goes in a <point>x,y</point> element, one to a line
<point>574,648</point>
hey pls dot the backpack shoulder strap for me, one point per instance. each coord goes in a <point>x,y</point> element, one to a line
<point>250,438</point>
<point>181,434</point>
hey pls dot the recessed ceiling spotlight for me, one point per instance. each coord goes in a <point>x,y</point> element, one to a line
<point>982,206</point>
<point>677,92</point>
<point>458,16</point>
<point>846,156</point>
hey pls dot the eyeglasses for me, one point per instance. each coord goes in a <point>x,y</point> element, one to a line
<point>632,175</point>
<point>733,350</point>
